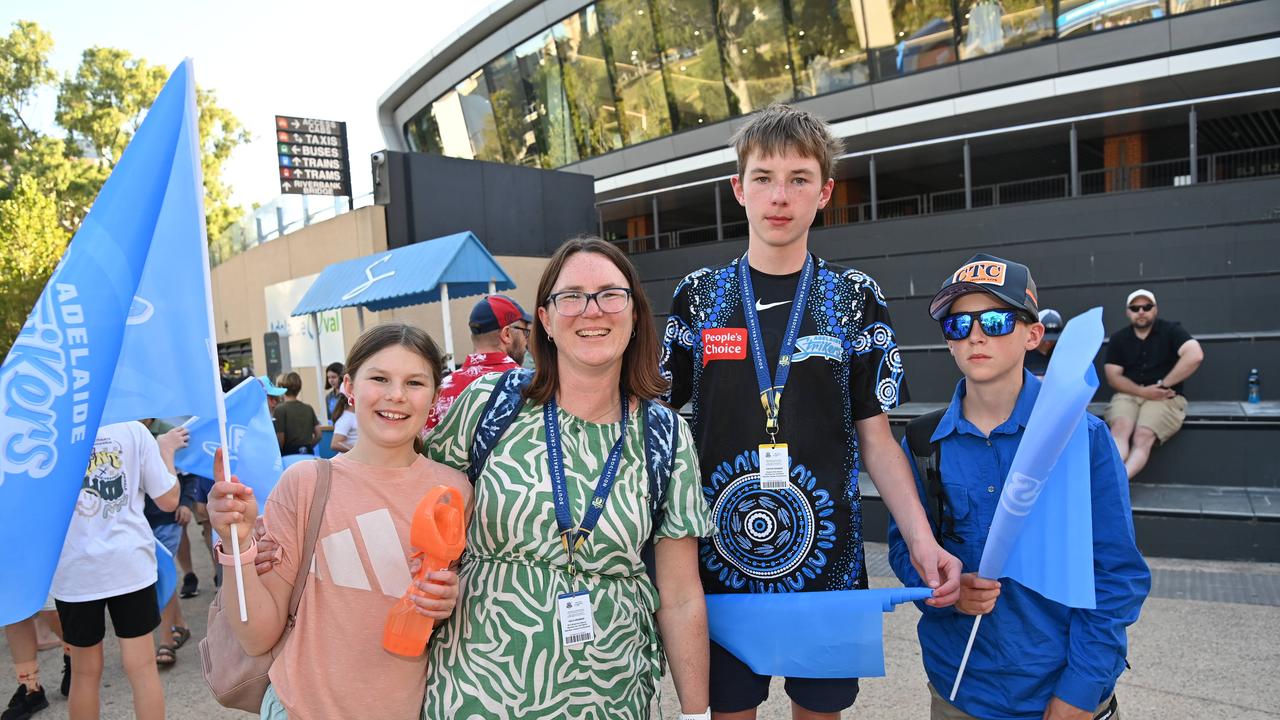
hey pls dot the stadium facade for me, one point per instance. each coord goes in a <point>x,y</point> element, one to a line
<point>943,105</point>
<point>1108,144</point>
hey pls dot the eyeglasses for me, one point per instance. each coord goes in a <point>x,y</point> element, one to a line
<point>518,328</point>
<point>995,323</point>
<point>1148,307</point>
<point>573,303</point>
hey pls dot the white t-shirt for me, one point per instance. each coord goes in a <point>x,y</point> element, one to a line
<point>346,426</point>
<point>109,549</point>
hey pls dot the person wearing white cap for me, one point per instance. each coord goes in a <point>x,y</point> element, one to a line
<point>1146,364</point>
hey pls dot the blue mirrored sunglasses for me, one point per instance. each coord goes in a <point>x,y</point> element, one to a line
<point>995,323</point>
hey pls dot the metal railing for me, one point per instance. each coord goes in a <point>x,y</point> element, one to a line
<point>1212,168</point>
<point>273,220</point>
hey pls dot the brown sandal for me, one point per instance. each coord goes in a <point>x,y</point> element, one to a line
<point>165,656</point>
<point>180,635</point>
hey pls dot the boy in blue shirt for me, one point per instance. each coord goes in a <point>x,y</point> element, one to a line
<point>1033,658</point>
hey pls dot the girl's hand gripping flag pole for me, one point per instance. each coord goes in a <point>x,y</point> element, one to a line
<point>222,471</point>
<point>1015,547</point>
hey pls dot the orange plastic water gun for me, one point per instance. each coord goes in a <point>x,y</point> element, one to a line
<point>439,535</point>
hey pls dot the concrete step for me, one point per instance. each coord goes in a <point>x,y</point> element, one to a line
<point>1221,444</point>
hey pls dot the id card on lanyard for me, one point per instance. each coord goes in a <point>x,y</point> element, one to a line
<point>574,608</point>
<point>775,462</point>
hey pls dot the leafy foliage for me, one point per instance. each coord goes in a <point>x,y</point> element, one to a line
<point>48,183</point>
<point>33,240</point>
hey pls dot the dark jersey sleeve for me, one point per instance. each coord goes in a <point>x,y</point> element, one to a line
<point>1114,356</point>
<point>677,350</point>
<point>1178,336</point>
<point>875,374</point>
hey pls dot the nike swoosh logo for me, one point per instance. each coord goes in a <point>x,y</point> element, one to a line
<point>760,307</point>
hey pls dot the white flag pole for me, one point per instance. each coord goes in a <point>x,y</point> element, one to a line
<point>965,660</point>
<point>194,136</point>
<point>448,328</point>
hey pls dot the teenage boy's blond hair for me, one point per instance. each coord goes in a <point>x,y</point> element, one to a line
<point>780,128</point>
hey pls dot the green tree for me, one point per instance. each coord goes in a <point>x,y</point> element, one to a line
<point>48,183</point>
<point>32,239</point>
<point>24,69</point>
<point>104,102</point>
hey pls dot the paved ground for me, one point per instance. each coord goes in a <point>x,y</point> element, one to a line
<point>1207,645</point>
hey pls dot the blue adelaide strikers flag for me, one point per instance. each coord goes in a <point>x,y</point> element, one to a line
<point>251,438</point>
<point>121,332</point>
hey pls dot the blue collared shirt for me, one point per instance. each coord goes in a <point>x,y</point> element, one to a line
<point>1029,649</point>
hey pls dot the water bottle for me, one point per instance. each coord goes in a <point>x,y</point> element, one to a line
<point>1255,386</point>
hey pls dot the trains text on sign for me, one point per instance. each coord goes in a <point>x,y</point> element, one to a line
<point>310,162</point>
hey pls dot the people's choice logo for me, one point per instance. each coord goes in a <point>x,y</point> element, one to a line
<point>1020,493</point>
<point>984,272</point>
<point>724,344</point>
<point>370,278</point>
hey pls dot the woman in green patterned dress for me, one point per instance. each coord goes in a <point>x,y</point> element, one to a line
<point>525,640</point>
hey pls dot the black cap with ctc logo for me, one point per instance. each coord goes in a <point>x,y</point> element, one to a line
<point>1003,279</point>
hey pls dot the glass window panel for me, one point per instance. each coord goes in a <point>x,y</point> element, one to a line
<point>827,46</point>
<point>1080,17</point>
<point>588,83</point>
<point>992,26</point>
<point>922,35</point>
<point>548,109</point>
<point>511,110</point>
<point>1178,7</point>
<point>454,140</point>
<point>423,134</point>
<point>753,35</point>
<point>637,71</point>
<point>691,63</point>
<point>477,115</point>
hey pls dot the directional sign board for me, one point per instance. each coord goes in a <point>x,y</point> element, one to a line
<point>313,156</point>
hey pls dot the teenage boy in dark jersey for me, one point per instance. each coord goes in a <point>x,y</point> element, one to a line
<point>1033,658</point>
<point>791,363</point>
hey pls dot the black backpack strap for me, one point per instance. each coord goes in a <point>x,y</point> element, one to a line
<point>661,433</point>
<point>928,459</point>
<point>499,412</point>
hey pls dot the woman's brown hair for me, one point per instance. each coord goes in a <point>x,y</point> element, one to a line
<point>640,373</point>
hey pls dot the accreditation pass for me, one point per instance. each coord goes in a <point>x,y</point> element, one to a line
<point>576,625</point>
<point>775,467</point>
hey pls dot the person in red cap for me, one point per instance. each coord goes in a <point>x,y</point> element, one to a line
<point>499,338</point>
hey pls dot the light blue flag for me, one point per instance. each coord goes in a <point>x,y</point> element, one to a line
<point>166,364</point>
<point>255,452</point>
<point>1048,545</point>
<point>55,381</point>
<point>166,575</point>
<point>832,634</point>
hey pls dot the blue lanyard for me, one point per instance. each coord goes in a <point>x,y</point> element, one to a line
<point>559,490</point>
<point>771,393</point>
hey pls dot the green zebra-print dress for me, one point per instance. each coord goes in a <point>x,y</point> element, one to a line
<point>500,655</point>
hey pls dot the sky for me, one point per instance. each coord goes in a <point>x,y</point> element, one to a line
<point>307,58</point>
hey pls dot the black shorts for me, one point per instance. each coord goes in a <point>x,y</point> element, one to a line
<point>132,615</point>
<point>735,687</point>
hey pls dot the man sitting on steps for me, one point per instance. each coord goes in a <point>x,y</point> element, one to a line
<point>1146,365</point>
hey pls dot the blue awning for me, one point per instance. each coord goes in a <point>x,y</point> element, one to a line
<point>410,275</point>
